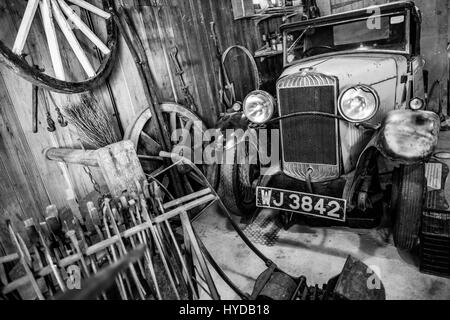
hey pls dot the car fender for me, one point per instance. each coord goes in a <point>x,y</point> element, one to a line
<point>408,137</point>
<point>405,137</point>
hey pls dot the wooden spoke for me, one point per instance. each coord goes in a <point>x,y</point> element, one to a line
<point>72,40</point>
<point>59,11</point>
<point>196,178</point>
<point>187,120</point>
<point>186,131</point>
<point>52,41</point>
<point>187,184</point>
<point>150,145</point>
<point>182,123</point>
<point>25,26</point>
<point>150,158</point>
<point>91,8</point>
<point>157,171</point>
<point>189,125</point>
<point>83,27</point>
<point>173,127</point>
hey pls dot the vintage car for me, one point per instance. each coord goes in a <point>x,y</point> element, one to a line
<point>351,111</point>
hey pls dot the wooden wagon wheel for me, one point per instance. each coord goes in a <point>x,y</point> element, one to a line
<point>58,12</point>
<point>143,134</point>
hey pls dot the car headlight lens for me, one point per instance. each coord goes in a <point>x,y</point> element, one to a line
<point>416,104</point>
<point>259,106</point>
<point>359,103</point>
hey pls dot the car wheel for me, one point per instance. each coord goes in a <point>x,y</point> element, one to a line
<point>236,187</point>
<point>408,190</point>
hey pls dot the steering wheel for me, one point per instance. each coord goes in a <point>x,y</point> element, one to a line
<point>309,52</point>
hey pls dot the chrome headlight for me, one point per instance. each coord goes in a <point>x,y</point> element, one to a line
<point>359,103</point>
<point>259,106</point>
<point>416,104</point>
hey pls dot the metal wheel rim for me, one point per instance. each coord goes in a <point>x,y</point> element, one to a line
<point>29,73</point>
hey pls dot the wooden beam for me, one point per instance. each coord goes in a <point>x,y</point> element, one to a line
<point>25,26</point>
<point>91,8</point>
<point>52,40</point>
<point>81,157</point>
<point>184,208</point>
<point>83,27</point>
<point>118,162</point>
<point>72,39</point>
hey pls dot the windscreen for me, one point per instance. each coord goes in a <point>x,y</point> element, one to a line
<point>386,32</point>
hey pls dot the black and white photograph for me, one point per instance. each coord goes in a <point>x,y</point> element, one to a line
<point>247,151</point>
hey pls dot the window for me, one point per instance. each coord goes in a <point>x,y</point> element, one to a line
<point>305,41</point>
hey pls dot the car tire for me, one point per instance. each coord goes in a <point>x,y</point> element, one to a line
<point>235,187</point>
<point>408,191</point>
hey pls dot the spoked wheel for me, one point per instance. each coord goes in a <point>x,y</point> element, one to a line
<point>183,125</point>
<point>237,189</point>
<point>63,13</point>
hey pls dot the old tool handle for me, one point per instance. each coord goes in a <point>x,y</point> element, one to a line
<point>34,110</point>
<point>176,62</point>
<point>82,157</point>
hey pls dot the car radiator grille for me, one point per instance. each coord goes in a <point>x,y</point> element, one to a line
<point>308,139</point>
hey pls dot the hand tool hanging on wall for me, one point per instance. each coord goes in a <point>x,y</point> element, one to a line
<point>62,122</point>
<point>35,108</point>
<point>51,126</point>
<point>180,72</point>
<point>35,104</point>
<point>227,95</point>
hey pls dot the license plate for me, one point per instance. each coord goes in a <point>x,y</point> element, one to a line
<point>304,203</point>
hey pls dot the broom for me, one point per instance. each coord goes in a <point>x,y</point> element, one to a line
<point>93,124</point>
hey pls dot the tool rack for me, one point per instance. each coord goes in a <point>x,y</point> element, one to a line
<point>105,238</point>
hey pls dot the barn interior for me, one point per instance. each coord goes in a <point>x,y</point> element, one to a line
<point>113,114</point>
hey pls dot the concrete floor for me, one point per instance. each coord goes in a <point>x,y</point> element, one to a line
<point>317,253</point>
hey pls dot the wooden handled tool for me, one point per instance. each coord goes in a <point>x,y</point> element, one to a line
<point>94,214</point>
<point>48,256</point>
<point>148,256</point>
<point>53,222</point>
<point>23,261</point>
<point>73,239</point>
<point>35,108</point>
<point>177,248</point>
<point>120,278</point>
<point>158,244</point>
<point>108,212</point>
